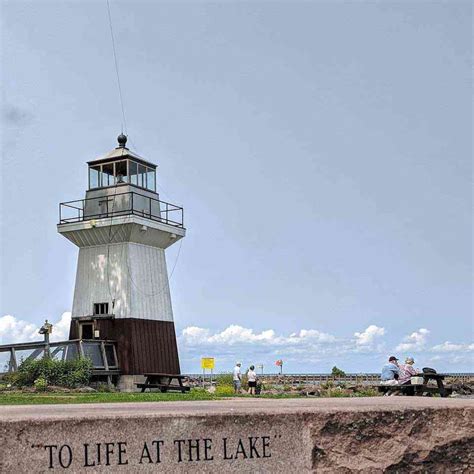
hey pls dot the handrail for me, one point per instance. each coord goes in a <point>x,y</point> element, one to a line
<point>121,194</point>
<point>35,344</point>
<point>82,347</point>
<point>144,206</point>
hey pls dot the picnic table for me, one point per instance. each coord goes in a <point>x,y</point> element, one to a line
<point>409,389</point>
<point>163,382</point>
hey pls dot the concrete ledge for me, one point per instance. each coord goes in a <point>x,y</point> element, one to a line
<point>393,434</point>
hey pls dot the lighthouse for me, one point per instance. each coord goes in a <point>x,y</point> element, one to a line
<point>122,293</point>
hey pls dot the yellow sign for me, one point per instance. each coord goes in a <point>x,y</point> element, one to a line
<point>207,362</point>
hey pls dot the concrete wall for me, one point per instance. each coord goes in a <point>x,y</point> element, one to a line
<point>133,276</point>
<point>381,434</point>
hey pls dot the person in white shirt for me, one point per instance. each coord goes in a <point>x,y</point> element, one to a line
<point>252,379</point>
<point>237,377</point>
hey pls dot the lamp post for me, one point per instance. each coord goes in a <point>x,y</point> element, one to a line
<point>46,329</point>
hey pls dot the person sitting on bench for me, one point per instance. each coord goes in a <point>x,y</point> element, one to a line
<point>390,372</point>
<point>407,371</point>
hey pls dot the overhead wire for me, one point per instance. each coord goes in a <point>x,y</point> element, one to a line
<point>111,236</point>
<point>124,124</point>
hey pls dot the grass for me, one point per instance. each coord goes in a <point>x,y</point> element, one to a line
<point>51,398</point>
<point>18,398</point>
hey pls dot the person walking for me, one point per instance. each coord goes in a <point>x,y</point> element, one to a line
<point>237,377</point>
<point>252,379</point>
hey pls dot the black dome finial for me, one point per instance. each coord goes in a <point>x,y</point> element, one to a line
<point>122,140</point>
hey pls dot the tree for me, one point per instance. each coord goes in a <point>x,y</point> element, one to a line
<point>337,372</point>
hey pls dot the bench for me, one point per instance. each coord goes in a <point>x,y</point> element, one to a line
<point>163,387</point>
<point>419,390</point>
<point>163,382</point>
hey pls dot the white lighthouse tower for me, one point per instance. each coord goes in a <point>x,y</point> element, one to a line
<point>122,293</point>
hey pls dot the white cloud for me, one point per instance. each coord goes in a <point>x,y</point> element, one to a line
<point>368,337</point>
<point>238,335</point>
<point>194,335</point>
<point>61,328</point>
<point>14,330</point>
<point>416,341</point>
<point>307,346</point>
<point>450,347</point>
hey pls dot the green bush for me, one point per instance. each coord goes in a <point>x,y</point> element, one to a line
<point>69,373</point>
<point>41,384</point>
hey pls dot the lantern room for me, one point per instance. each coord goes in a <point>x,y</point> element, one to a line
<point>122,167</point>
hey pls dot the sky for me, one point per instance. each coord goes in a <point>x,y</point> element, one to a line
<point>321,151</point>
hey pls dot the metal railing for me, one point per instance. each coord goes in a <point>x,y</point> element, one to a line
<point>121,204</point>
<point>103,354</point>
<point>317,379</point>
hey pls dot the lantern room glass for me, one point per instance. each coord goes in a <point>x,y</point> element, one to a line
<point>94,177</point>
<point>122,172</point>
<point>108,178</point>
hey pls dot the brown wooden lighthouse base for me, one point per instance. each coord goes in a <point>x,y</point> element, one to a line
<point>143,345</point>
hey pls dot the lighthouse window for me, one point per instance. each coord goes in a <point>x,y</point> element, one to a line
<point>121,172</point>
<point>101,308</point>
<point>108,174</point>
<point>94,177</point>
<point>133,172</point>
<point>141,176</point>
<point>150,179</point>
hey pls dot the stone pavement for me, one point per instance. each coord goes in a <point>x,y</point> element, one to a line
<point>404,434</point>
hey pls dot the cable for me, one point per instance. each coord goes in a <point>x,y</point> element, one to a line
<point>163,287</point>
<point>124,125</point>
<point>176,261</point>
<point>111,235</point>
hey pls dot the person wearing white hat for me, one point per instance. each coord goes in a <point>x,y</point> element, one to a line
<point>237,377</point>
<point>407,371</point>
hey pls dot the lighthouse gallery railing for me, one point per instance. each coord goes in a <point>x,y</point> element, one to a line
<point>121,204</point>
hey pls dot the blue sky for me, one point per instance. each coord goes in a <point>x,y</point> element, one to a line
<point>321,150</point>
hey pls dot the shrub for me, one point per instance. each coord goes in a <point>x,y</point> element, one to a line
<point>11,378</point>
<point>224,379</point>
<point>367,392</point>
<point>70,373</point>
<point>105,388</point>
<point>41,384</point>
<point>328,385</point>
<point>224,391</point>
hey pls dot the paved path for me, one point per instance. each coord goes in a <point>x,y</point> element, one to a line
<point>233,405</point>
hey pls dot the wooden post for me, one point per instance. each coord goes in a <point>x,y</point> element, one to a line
<point>81,349</point>
<point>115,356</point>
<point>106,363</point>
<point>13,366</point>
